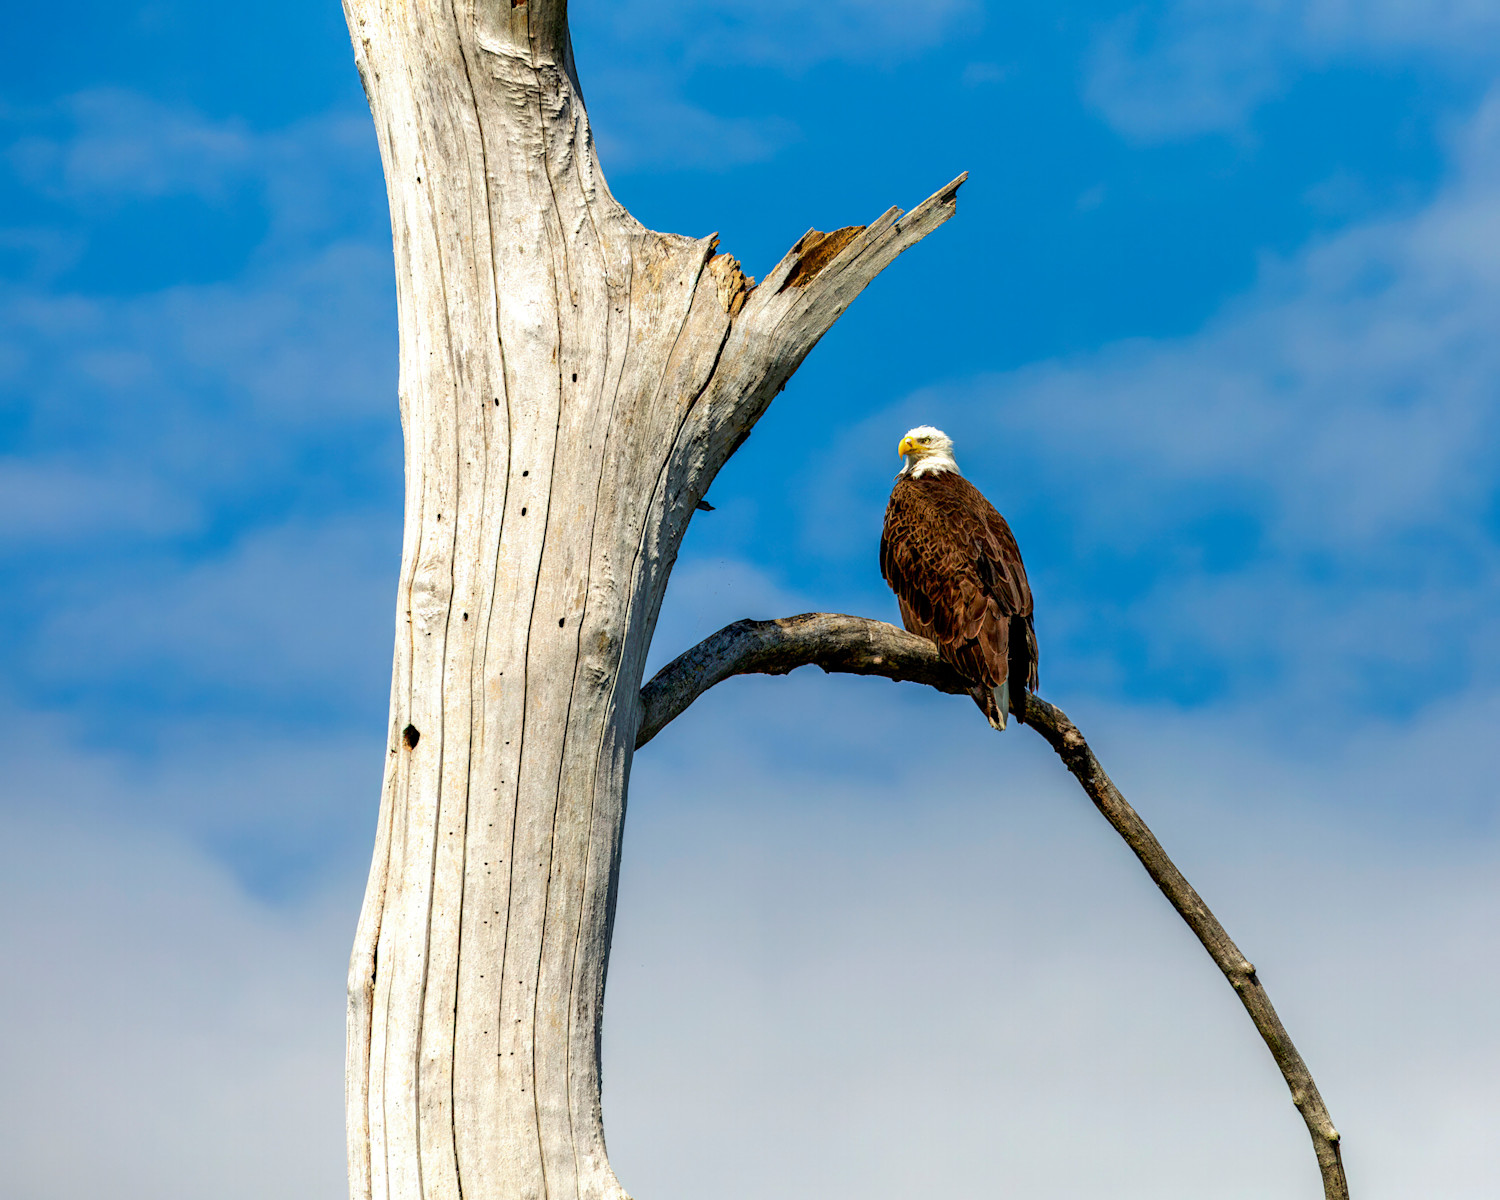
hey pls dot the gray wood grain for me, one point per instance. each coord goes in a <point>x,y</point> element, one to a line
<point>570,384</point>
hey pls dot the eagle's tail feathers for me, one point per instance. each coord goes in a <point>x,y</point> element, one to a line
<point>1001,695</point>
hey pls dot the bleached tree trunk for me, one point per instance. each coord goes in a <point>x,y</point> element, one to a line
<point>570,384</point>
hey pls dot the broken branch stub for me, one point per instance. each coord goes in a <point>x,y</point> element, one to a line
<point>815,250</point>
<point>860,646</point>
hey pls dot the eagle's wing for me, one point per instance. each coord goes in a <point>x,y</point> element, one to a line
<point>955,568</point>
<point>1006,580</point>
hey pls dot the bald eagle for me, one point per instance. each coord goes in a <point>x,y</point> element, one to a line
<point>954,565</point>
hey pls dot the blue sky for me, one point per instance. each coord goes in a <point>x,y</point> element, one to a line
<point>1215,327</point>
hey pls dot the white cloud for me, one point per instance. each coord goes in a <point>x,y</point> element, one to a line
<point>864,944</point>
<point>61,501</point>
<point>1197,66</point>
<point>296,615</point>
<point>891,952</point>
<point>311,184</point>
<point>167,1037</point>
<point>211,424</point>
<point>1453,27</point>
<point>107,145</point>
<point>644,114</point>
<point>708,593</point>
<point>120,143</point>
<point>297,336</point>
<point>643,121</point>
<point>1204,71</point>
<point>786,34</point>
<point>237,413</point>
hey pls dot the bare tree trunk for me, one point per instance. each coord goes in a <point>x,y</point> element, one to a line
<point>570,384</point>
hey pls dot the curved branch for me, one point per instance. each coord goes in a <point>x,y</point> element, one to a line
<point>848,645</point>
<point>857,645</point>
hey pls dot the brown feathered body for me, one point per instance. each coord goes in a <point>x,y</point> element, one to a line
<point>956,569</point>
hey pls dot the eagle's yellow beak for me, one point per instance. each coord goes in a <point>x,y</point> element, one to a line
<point>906,447</point>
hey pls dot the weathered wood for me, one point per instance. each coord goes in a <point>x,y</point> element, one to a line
<point>861,646</point>
<point>836,643</point>
<point>570,384</point>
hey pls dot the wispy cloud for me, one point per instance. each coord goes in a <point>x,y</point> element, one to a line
<point>645,121</point>
<point>1343,417</point>
<point>854,924</point>
<point>288,623</point>
<point>106,152</point>
<point>184,1028</point>
<point>182,463</point>
<point>659,76</point>
<point>1188,67</point>
<point>214,446</point>
<point>896,947</point>
<point>1298,500</point>
<point>788,35</point>
<point>907,954</point>
<point>113,143</point>
<point>62,501</point>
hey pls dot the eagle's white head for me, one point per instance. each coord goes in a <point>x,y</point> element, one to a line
<point>927,451</point>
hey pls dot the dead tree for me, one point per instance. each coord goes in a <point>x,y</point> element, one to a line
<point>570,384</point>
